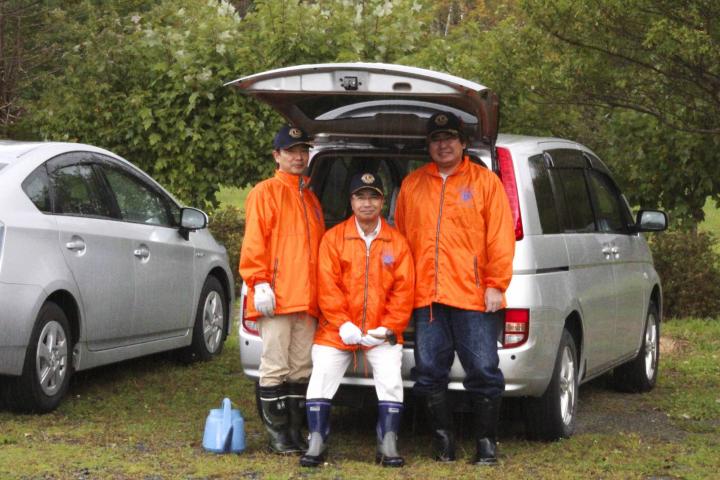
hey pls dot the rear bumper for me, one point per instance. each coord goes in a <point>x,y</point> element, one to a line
<point>19,305</point>
<point>527,369</point>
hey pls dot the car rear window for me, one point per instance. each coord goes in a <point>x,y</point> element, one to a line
<point>549,221</point>
<point>332,173</point>
<point>36,188</point>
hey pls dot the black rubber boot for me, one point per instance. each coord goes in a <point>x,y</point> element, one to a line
<point>318,416</point>
<point>388,426</point>
<point>486,414</point>
<point>441,422</point>
<point>275,416</point>
<point>296,409</point>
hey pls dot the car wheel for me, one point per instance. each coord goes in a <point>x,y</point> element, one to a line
<point>640,374</point>
<point>552,415</point>
<point>209,329</point>
<point>48,366</point>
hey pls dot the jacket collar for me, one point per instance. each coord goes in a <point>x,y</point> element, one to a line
<point>292,181</point>
<point>350,229</point>
<point>433,168</point>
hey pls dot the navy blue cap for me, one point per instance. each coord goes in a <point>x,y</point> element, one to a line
<point>444,122</point>
<point>289,136</point>
<point>360,181</point>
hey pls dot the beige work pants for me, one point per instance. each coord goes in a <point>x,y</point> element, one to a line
<point>287,343</point>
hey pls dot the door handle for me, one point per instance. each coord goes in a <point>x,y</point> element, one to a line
<point>75,245</point>
<point>142,252</point>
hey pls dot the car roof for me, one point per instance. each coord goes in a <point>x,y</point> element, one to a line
<point>12,151</point>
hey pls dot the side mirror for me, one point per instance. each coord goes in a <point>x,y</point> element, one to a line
<point>192,219</point>
<point>651,221</point>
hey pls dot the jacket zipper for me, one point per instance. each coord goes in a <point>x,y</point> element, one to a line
<point>437,235</point>
<point>307,221</point>
<point>477,275</point>
<point>367,274</point>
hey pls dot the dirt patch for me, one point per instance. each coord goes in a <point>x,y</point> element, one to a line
<point>670,346</point>
<point>602,410</point>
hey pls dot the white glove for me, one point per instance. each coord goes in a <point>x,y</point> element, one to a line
<point>370,341</point>
<point>380,332</point>
<point>264,299</point>
<point>374,337</point>
<point>350,333</point>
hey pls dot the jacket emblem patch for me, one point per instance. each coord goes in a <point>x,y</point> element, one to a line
<point>388,259</point>
<point>466,194</point>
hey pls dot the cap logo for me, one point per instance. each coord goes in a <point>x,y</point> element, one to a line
<point>368,179</point>
<point>441,120</point>
<point>295,133</point>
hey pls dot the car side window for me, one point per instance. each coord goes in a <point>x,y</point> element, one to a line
<point>37,187</point>
<point>76,192</point>
<point>608,204</point>
<point>575,198</point>
<point>137,201</point>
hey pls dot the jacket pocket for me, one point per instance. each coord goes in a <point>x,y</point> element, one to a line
<point>274,275</point>
<point>477,274</point>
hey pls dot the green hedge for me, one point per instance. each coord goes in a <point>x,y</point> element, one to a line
<point>227,224</point>
<point>689,268</point>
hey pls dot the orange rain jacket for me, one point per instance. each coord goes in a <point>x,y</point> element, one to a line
<point>283,228</point>
<point>369,289</point>
<point>460,233</point>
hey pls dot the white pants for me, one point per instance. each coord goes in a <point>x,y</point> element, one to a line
<point>330,364</point>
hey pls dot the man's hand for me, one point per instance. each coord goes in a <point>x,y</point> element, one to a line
<point>350,333</point>
<point>370,341</point>
<point>493,299</point>
<point>264,299</point>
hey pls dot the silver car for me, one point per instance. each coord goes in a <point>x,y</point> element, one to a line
<point>98,263</point>
<point>585,298</point>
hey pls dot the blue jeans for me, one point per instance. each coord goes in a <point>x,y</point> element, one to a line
<point>472,334</point>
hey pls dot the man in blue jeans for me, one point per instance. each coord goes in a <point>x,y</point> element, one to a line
<point>457,220</point>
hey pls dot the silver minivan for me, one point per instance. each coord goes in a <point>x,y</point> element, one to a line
<point>98,264</point>
<point>584,299</point>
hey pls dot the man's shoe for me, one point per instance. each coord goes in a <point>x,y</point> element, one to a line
<point>274,413</point>
<point>388,426</point>
<point>486,415</point>
<point>441,423</point>
<point>318,416</point>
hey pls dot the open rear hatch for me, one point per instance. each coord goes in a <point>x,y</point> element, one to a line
<point>372,99</point>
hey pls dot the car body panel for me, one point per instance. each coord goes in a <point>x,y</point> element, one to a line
<point>35,265</point>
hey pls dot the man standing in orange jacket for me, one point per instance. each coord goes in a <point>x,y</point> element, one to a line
<point>456,217</point>
<point>278,263</point>
<point>365,291</point>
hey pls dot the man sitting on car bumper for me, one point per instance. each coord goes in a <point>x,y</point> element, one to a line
<point>365,292</point>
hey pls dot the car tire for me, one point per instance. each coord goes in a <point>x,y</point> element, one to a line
<point>209,330</point>
<point>552,415</point>
<point>48,364</point>
<point>640,373</point>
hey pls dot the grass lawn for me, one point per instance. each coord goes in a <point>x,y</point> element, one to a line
<point>145,418</point>
<point>234,196</point>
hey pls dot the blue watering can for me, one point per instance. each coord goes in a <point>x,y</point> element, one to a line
<point>224,430</point>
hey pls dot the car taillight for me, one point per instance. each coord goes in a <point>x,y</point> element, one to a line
<point>507,176</point>
<point>250,326</point>
<point>517,327</point>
